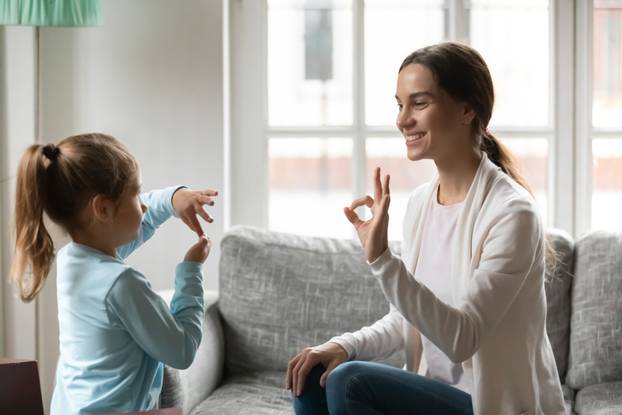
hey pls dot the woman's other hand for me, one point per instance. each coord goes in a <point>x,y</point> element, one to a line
<point>330,355</point>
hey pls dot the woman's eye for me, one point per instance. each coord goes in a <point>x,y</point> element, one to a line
<point>420,104</point>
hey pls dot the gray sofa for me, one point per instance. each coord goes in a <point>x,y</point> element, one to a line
<point>280,293</point>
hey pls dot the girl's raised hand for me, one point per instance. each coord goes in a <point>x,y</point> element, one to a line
<point>373,232</point>
<point>189,203</point>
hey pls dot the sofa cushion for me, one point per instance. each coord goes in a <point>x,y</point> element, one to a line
<point>259,393</point>
<point>569,395</point>
<point>596,323</point>
<point>186,388</point>
<point>280,293</point>
<point>601,399</point>
<point>557,287</point>
<point>172,394</point>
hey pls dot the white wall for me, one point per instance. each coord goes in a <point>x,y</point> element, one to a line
<point>151,76</point>
<point>17,131</point>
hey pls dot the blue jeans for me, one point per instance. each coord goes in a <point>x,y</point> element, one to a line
<point>366,388</point>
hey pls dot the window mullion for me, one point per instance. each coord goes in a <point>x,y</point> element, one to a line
<point>359,157</point>
<point>248,95</point>
<point>561,184</point>
<point>583,116</point>
<point>459,20</point>
<point>606,133</point>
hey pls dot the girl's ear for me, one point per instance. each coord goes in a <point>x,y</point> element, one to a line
<point>102,208</point>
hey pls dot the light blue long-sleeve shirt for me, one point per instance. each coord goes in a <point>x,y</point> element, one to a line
<point>115,331</point>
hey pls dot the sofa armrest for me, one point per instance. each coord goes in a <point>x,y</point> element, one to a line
<point>187,388</point>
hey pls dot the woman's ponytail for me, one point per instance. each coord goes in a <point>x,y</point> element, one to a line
<point>499,154</point>
<point>34,250</point>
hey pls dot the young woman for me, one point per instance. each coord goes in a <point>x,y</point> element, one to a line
<point>468,291</point>
<point>115,331</point>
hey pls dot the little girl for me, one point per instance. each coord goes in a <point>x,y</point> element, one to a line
<point>116,333</point>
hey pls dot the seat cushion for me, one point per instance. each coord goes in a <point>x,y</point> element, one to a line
<point>601,399</point>
<point>280,293</point>
<point>569,396</point>
<point>596,322</point>
<point>259,393</point>
<point>558,285</point>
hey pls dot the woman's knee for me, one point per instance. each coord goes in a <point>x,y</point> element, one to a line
<point>344,373</point>
<point>312,400</point>
<point>342,385</point>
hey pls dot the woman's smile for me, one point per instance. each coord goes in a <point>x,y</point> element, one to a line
<point>414,137</point>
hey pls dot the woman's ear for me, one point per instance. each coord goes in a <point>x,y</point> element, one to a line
<point>102,208</point>
<point>467,114</point>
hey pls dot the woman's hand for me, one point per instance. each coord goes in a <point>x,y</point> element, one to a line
<point>189,203</point>
<point>373,232</point>
<point>330,355</point>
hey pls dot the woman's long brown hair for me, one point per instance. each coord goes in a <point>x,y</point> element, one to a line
<point>462,73</point>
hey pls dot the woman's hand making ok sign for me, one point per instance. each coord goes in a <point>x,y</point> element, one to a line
<point>373,232</point>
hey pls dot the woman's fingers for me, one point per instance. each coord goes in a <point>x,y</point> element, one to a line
<point>329,369</point>
<point>296,372</point>
<point>377,185</point>
<point>384,207</point>
<point>362,201</point>
<point>352,216</point>
<point>385,188</point>
<point>386,198</point>
<point>380,188</point>
<point>290,368</point>
<point>303,371</point>
<point>209,192</point>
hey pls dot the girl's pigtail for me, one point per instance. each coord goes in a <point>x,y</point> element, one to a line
<point>34,250</point>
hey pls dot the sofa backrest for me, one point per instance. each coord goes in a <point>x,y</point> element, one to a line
<point>280,293</point>
<point>595,354</point>
<point>558,286</point>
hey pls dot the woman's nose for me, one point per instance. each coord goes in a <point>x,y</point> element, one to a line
<point>404,119</point>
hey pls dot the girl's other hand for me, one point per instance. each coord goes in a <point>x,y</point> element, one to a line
<point>199,251</point>
<point>189,203</point>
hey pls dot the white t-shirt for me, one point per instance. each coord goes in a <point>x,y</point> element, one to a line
<point>433,271</point>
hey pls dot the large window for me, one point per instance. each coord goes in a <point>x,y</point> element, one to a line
<point>324,110</point>
<point>607,115</point>
<point>313,52</point>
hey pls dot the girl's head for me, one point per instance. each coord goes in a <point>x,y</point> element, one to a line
<point>445,98</point>
<point>69,182</point>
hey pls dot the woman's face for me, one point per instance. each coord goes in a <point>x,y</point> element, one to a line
<point>433,124</point>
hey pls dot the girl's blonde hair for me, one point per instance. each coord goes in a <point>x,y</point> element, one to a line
<point>59,180</point>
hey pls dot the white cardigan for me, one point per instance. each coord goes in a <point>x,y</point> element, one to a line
<point>498,328</point>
